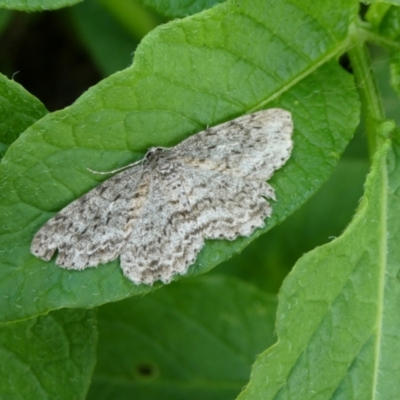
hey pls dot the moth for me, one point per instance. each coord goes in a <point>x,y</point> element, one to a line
<point>157,213</point>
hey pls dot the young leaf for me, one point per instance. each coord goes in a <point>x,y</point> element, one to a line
<point>337,320</point>
<point>186,77</point>
<point>195,339</point>
<point>49,357</point>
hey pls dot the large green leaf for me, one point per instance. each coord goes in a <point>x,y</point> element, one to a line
<point>49,357</point>
<point>18,110</point>
<point>195,339</point>
<point>338,320</point>
<point>191,73</point>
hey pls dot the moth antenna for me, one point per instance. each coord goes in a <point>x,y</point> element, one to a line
<point>115,170</point>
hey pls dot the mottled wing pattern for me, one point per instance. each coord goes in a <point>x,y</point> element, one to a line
<point>215,188</point>
<point>156,215</point>
<point>93,229</point>
<point>165,240</point>
<point>254,145</point>
<point>224,171</point>
<point>183,209</point>
<point>225,206</point>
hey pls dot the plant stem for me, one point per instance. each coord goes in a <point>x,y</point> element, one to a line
<point>371,100</point>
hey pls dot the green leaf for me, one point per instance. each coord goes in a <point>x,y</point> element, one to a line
<point>338,319</point>
<point>187,75</point>
<point>385,20</point>
<point>36,5</point>
<point>180,8</point>
<point>195,339</point>
<point>18,110</point>
<point>49,357</point>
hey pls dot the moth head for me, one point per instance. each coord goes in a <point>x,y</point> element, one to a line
<point>153,154</point>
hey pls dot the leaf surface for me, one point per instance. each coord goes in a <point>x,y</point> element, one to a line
<point>338,320</point>
<point>196,339</point>
<point>49,357</point>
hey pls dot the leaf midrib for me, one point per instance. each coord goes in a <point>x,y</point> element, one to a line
<point>382,278</point>
<point>337,52</point>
